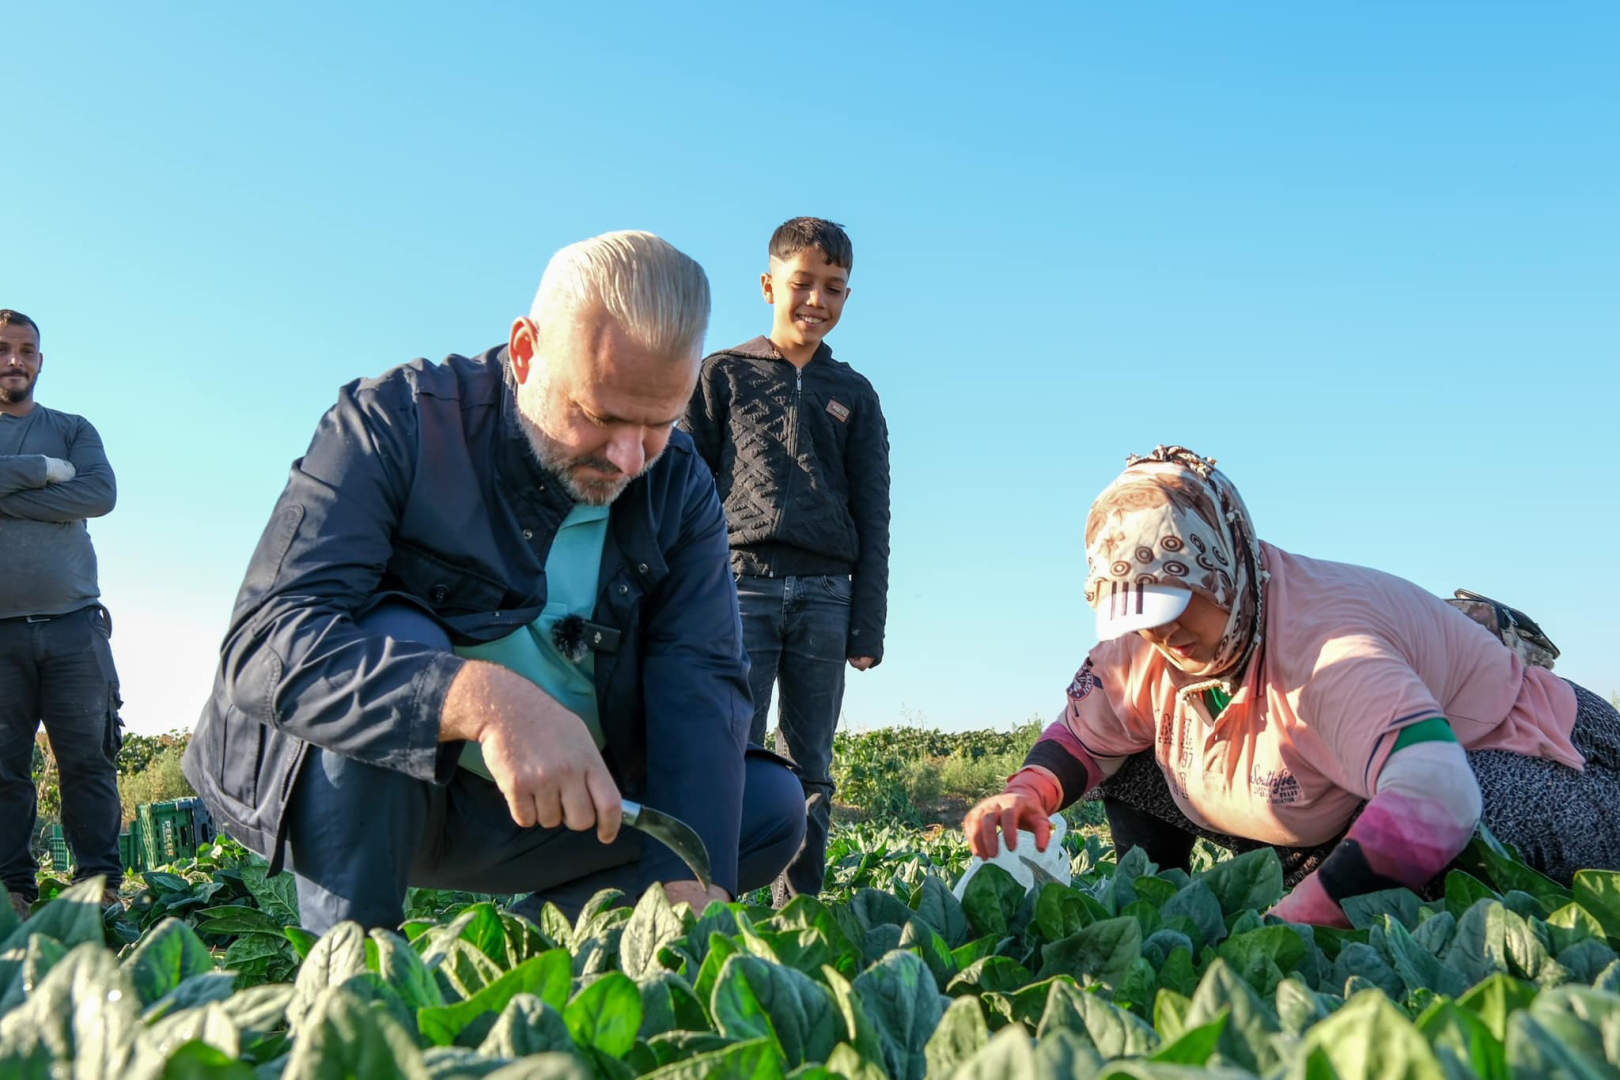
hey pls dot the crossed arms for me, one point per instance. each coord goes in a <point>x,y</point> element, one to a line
<point>27,493</point>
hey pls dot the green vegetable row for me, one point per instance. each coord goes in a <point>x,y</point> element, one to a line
<point>1126,972</point>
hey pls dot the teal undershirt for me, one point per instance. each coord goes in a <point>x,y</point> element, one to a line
<point>1434,729</point>
<point>572,568</point>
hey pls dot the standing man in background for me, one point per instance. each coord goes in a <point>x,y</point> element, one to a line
<point>55,658</point>
<point>800,451</point>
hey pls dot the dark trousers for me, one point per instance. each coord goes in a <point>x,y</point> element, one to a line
<point>358,835</point>
<point>1142,814</point>
<point>60,671</point>
<point>795,630</point>
<point>1170,846</point>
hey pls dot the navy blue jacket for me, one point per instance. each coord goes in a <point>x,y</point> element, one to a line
<point>420,485</point>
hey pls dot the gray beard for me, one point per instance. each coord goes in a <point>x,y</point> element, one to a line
<point>557,461</point>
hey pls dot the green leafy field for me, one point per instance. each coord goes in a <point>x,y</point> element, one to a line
<point>1128,972</point>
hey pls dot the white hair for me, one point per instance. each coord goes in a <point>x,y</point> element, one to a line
<point>659,295</point>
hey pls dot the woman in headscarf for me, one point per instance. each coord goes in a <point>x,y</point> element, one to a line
<point>1361,726</point>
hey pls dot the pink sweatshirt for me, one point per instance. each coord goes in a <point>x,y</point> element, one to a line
<point>1349,657</point>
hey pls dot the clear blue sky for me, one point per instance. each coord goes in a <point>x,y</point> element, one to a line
<point>1367,256</point>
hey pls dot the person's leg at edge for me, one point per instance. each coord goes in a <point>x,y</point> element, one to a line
<point>78,702</point>
<point>774,823</point>
<point>759,600</point>
<point>812,695</point>
<point>19,720</point>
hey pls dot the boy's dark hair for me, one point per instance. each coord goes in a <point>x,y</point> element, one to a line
<point>9,317</point>
<point>802,233</point>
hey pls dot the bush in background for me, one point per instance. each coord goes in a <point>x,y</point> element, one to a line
<point>148,771</point>
<point>916,775</point>
<point>159,781</point>
<point>139,750</point>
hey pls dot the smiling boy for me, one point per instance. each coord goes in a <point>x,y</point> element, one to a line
<point>800,451</point>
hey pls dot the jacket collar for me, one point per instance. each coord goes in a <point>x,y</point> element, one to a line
<point>761,348</point>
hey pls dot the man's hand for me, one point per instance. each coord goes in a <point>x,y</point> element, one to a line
<point>540,754</point>
<point>691,892</point>
<point>1009,812</point>
<point>58,471</point>
<point>863,663</point>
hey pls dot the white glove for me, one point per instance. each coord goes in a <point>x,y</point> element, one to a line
<point>58,471</point>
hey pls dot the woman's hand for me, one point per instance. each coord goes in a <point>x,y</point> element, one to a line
<point>1009,812</point>
<point>1310,903</point>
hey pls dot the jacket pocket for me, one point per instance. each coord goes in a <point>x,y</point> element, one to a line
<point>115,723</point>
<point>241,756</point>
<point>447,589</point>
<point>100,620</point>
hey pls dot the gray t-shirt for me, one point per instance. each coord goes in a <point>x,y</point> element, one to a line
<point>47,564</point>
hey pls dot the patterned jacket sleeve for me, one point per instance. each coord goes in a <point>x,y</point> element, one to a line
<point>866,466</point>
<point>705,418</point>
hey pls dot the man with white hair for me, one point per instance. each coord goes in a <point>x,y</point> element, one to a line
<point>494,595</point>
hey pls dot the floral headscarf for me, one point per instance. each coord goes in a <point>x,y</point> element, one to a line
<point>1172,518</point>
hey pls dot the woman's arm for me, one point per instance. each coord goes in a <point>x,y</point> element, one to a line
<point>1059,768</point>
<point>1421,816</point>
<point>1057,771</point>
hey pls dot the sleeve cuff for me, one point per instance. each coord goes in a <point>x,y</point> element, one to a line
<point>864,643</point>
<point>1070,773</point>
<point>1037,782</point>
<point>430,759</point>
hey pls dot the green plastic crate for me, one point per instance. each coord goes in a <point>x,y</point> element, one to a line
<point>62,855</point>
<point>172,830</point>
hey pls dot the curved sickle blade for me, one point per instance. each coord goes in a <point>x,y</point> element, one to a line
<point>673,833</point>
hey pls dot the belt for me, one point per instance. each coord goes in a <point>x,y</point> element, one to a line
<point>43,618</point>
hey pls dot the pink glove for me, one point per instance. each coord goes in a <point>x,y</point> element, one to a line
<point>1309,903</point>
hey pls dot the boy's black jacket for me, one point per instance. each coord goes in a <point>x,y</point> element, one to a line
<point>801,458</point>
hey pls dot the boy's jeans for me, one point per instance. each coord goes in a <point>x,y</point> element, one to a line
<point>795,630</point>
